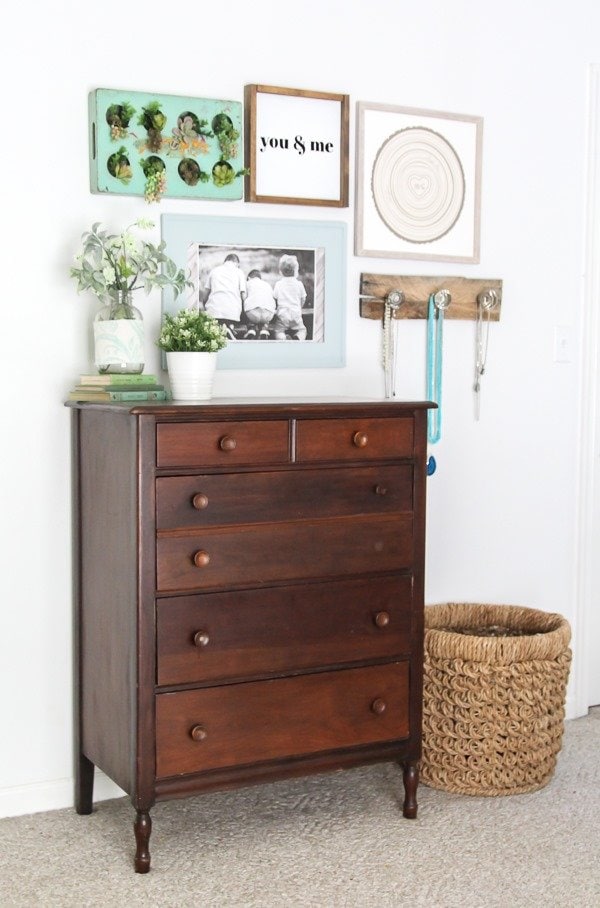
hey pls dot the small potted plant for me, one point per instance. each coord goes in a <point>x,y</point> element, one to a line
<point>191,340</point>
<point>227,135</point>
<point>119,166</point>
<point>223,173</point>
<point>154,121</point>
<point>156,178</point>
<point>189,136</point>
<point>118,117</point>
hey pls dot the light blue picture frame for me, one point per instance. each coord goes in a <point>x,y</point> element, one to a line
<point>182,231</point>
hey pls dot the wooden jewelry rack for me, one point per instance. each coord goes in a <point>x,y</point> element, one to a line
<point>416,290</point>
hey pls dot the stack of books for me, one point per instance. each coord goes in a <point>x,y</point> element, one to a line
<point>116,387</point>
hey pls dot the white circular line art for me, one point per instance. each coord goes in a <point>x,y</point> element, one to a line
<point>418,184</point>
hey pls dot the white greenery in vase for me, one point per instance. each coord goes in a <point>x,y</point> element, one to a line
<point>191,331</point>
<point>113,264</point>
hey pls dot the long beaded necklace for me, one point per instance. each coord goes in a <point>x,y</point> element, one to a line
<point>438,302</point>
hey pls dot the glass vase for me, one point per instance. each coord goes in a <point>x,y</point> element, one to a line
<point>119,335</point>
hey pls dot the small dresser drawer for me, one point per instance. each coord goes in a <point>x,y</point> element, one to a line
<point>262,553</point>
<point>230,498</point>
<point>238,724</point>
<point>220,636</point>
<point>222,443</point>
<point>353,439</point>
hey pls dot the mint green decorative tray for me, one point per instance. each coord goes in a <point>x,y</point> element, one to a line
<point>165,145</point>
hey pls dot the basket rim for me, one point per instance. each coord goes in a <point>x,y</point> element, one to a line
<point>549,636</point>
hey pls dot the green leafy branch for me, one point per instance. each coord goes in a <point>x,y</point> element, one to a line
<point>123,262</point>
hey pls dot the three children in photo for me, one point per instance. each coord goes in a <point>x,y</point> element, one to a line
<point>267,313</point>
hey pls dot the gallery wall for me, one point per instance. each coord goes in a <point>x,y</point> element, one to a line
<point>502,504</point>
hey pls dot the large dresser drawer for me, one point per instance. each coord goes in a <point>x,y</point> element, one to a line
<point>354,439</point>
<point>222,443</point>
<point>238,724</point>
<point>218,636</point>
<point>230,498</point>
<point>247,555</point>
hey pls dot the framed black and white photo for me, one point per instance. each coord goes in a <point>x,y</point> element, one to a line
<point>418,184</point>
<point>296,146</point>
<point>287,305</point>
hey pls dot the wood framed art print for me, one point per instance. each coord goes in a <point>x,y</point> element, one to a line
<point>296,146</point>
<point>418,184</point>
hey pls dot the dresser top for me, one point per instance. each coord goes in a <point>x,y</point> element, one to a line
<point>247,406</point>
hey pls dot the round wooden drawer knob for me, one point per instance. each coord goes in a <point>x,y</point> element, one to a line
<point>200,501</point>
<point>378,706</point>
<point>201,559</point>
<point>360,439</point>
<point>198,733</point>
<point>382,619</point>
<point>227,443</point>
<point>380,490</point>
<point>201,638</point>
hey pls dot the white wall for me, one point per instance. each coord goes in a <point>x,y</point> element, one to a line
<point>502,504</point>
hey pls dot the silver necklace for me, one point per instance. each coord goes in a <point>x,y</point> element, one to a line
<point>486,301</point>
<point>393,301</point>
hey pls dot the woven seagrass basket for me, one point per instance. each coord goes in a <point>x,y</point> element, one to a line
<point>493,705</point>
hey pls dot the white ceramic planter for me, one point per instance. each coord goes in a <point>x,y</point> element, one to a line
<point>191,375</point>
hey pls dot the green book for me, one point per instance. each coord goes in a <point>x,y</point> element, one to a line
<point>100,394</point>
<point>117,379</point>
<point>138,395</point>
<point>138,386</point>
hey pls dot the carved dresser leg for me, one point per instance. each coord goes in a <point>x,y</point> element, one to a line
<point>142,828</point>
<point>410,776</point>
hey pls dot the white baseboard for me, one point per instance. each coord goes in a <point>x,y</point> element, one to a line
<point>55,795</point>
<point>573,708</point>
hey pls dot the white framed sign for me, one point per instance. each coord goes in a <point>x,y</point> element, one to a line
<point>296,145</point>
<point>418,183</point>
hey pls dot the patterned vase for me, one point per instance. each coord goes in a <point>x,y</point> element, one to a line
<point>119,335</point>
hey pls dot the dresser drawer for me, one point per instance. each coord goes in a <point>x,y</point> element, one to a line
<point>222,443</point>
<point>237,724</point>
<point>353,439</point>
<point>218,499</point>
<point>217,636</point>
<point>248,555</point>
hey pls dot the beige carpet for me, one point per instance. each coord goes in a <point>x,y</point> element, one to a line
<point>335,840</point>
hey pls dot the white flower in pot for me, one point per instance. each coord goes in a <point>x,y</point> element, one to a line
<point>191,340</point>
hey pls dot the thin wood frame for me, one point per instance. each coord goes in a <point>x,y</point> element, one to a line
<point>307,165</point>
<point>455,146</point>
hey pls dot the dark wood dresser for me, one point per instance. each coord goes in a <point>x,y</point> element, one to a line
<point>250,593</point>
